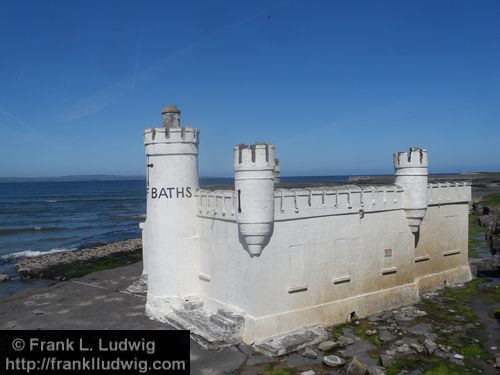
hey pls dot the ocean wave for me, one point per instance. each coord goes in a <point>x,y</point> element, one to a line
<point>30,202</point>
<point>35,253</point>
<point>100,199</point>
<point>36,229</point>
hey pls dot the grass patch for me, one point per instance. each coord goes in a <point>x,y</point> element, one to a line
<point>445,369</point>
<point>278,371</point>
<point>471,289</point>
<point>337,330</point>
<point>360,331</point>
<point>458,301</point>
<point>474,231</point>
<point>430,365</point>
<point>474,227</point>
<point>491,200</point>
<point>402,363</point>
<point>82,268</point>
<point>474,351</point>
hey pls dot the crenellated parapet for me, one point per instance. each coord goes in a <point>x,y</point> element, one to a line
<point>328,201</point>
<point>411,169</point>
<point>217,204</point>
<point>336,200</point>
<point>440,193</point>
<point>307,202</point>
<point>254,185</point>
<point>165,141</point>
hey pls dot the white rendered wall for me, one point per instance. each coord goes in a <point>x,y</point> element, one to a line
<point>324,262</point>
<point>443,242</point>
<point>171,226</point>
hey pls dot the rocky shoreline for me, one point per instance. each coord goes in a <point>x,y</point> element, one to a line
<point>68,264</point>
<point>443,334</point>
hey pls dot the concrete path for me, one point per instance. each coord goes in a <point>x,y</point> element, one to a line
<point>99,301</point>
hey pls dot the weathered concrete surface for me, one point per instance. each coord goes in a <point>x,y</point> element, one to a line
<point>100,301</point>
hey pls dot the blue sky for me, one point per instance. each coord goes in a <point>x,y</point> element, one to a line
<point>337,86</point>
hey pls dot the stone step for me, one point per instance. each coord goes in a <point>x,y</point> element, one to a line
<point>231,315</point>
<point>222,322</point>
<point>292,342</point>
<point>212,331</point>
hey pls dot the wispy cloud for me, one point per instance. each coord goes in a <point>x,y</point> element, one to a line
<point>97,101</point>
<point>106,96</point>
<point>12,121</point>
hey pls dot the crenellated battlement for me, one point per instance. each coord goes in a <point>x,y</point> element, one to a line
<point>258,156</point>
<point>415,158</point>
<point>341,200</point>
<point>448,193</point>
<point>325,201</point>
<point>219,204</point>
<point>183,134</point>
<point>306,202</point>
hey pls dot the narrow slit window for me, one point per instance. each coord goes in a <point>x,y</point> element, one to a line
<point>239,201</point>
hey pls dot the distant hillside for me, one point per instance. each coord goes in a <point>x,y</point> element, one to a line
<point>96,177</point>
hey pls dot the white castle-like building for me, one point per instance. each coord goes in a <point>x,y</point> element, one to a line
<point>259,261</point>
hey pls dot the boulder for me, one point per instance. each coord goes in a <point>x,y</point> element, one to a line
<point>327,345</point>
<point>333,361</point>
<point>430,345</point>
<point>356,367</point>
<point>403,349</point>
<point>417,348</point>
<point>387,358</point>
<point>309,353</point>
<point>408,313</point>
<point>344,341</point>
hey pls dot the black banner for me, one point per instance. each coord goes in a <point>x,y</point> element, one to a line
<point>94,352</point>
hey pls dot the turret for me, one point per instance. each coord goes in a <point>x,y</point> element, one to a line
<point>254,184</point>
<point>170,228</point>
<point>411,170</point>
<point>171,117</point>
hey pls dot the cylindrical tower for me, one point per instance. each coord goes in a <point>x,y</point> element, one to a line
<point>254,185</point>
<point>411,170</point>
<point>170,228</point>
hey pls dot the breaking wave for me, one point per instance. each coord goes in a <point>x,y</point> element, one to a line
<point>31,253</point>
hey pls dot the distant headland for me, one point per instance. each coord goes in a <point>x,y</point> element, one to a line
<point>94,177</point>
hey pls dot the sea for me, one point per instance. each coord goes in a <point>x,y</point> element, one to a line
<point>39,217</point>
